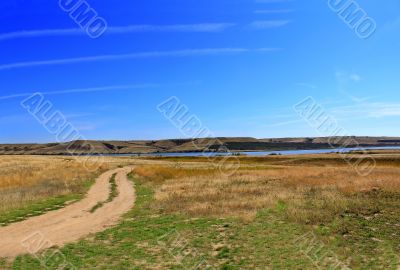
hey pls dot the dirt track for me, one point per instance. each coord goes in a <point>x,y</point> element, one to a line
<point>71,223</point>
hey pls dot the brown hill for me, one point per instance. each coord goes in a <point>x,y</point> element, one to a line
<point>190,145</point>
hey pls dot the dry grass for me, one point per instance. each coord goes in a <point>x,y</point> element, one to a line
<point>26,179</point>
<point>310,193</point>
<point>311,188</point>
<point>157,174</point>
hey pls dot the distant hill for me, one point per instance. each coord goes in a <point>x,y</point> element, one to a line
<point>193,145</point>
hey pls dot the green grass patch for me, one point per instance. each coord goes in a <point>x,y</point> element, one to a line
<point>111,196</point>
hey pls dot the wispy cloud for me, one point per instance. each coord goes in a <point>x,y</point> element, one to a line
<point>202,27</point>
<point>40,33</point>
<point>97,89</point>
<point>350,113</point>
<point>346,76</point>
<point>368,110</point>
<point>285,123</point>
<point>305,84</point>
<point>345,80</point>
<point>273,1</point>
<point>152,54</point>
<point>355,77</point>
<point>273,11</point>
<point>269,24</point>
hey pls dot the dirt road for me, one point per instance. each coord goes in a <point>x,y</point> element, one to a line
<point>73,222</point>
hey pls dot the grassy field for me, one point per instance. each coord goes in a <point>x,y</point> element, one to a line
<point>304,212</point>
<point>31,185</point>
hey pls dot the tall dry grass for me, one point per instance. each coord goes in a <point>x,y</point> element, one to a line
<point>27,179</point>
<point>310,193</point>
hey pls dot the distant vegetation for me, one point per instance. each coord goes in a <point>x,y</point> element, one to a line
<point>189,145</point>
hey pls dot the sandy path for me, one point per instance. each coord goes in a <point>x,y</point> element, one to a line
<point>71,223</point>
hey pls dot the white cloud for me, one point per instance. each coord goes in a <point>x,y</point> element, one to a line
<point>355,77</point>
<point>344,77</point>
<point>368,110</point>
<point>269,24</point>
<point>352,113</point>
<point>97,89</point>
<point>152,54</point>
<point>202,27</point>
<point>273,1</point>
<point>305,84</point>
<point>345,80</point>
<point>273,11</point>
<point>286,123</point>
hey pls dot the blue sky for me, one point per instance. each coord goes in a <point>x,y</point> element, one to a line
<point>239,66</point>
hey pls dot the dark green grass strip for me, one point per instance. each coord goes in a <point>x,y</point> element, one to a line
<point>113,194</point>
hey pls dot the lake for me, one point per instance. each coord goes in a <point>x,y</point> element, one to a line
<point>266,153</point>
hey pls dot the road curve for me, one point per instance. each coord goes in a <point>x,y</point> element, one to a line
<point>57,228</point>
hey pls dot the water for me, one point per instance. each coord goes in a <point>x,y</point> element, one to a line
<point>266,153</point>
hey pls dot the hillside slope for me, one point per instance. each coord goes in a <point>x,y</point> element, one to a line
<point>191,145</point>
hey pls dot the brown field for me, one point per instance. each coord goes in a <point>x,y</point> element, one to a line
<point>24,180</point>
<point>29,179</point>
<point>198,188</point>
<point>315,188</point>
<point>249,220</point>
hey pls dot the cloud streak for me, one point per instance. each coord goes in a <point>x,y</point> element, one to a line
<point>97,89</point>
<point>202,27</point>
<point>349,113</point>
<point>273,1</point>
<point>137,55</point>
<point>273,11</point>
<point>269,24</point>
<point>369,110</point>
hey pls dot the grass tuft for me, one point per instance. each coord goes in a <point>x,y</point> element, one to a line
<point>111,196</point>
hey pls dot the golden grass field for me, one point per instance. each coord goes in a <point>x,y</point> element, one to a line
<point>313,191</point>
<point>196,187</point>
<point>29,179</point>
<point>265,206</point>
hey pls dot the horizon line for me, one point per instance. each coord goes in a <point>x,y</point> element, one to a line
<point>217,137</point>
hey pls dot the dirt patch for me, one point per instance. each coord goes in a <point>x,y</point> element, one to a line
<point>72,222</point>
